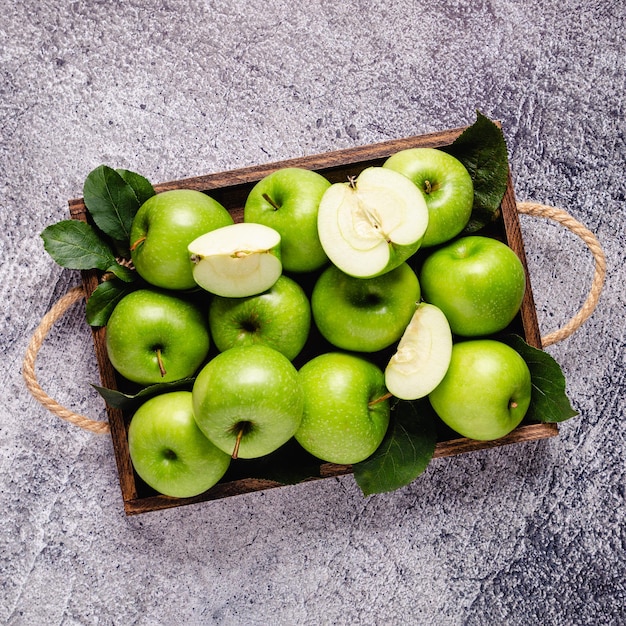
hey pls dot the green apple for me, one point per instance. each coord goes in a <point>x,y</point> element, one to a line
<point>168,450</point>
<point>163,228</point>
<point>238,260</point>
<point>288,200</point>
<point>447,187</point>
<point>364,314</point>
<point>423,355</point>
<point>154,337</point>
<point>248,400</point>
<point>478,282</point>
<point>373,223</point>
<point>279,318</point>
<point>486,391</point>
<point>346,408</point>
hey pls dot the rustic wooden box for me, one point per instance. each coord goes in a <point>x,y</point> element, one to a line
<point>231,189</point>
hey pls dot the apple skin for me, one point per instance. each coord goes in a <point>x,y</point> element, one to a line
<point>447,187</point>
<point>168,450</point>
<point>364,314</point>
<point>478,282</point>
<point>288,201</point>
<point>169,221</point>
<point>486,391</point>
<point>279,318</point>
<point>251,387</point>
<point>338,424</point>
<point>147,319</point>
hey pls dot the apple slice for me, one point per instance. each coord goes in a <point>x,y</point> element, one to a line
<point>423,355</point>
<point>373,223</point>
<point>237,260</point>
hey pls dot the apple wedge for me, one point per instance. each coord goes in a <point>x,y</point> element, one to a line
<point>237,260</point>
<point>423,355</point>
<point>373,223</point>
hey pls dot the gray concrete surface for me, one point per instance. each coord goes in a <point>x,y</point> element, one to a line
<point>529,534</point>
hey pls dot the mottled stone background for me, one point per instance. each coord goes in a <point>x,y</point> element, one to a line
<point>526,534</point>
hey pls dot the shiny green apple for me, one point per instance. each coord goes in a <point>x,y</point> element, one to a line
<point>477,281</point>
<point>279,317</point>
<point>163,228</point>
<point>248,400</point>
<point>364,314</point>
<point>486,391</point>
<point>288,200</point>
<point>168,450</point>
<point>447,188</point>
<point>156,337</point>
<point>345,418</point>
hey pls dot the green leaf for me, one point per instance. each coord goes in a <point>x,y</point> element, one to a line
<point>111,202</point>
<point>141,186</point>
<point>482,149</point>
<point>549,402</point>
<point>405,452</point>
<point>130,402</point>
<point>122,272</point>
<point>103,300</point>
<point>76,245</point>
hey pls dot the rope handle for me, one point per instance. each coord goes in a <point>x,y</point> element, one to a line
<point>589,305</point>
<point>76,294</point>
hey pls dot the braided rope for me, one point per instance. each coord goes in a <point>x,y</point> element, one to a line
<point>76,294</point>
<point>565,219</point>
<point>28,367</point>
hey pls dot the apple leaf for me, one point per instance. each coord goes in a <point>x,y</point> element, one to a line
<point>482,149</point>
<point>103,300</point>
<point>405,452</point>
<point>76,245</point>
<point>130,402</point>
<point>111,202</point>
<point>122,272</point>
<point>141,186</point>
<point>549,402</point>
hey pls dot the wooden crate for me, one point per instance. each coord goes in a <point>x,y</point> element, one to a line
<point>231,189</point>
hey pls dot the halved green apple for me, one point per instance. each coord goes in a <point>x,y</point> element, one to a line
<point>423,355</point>
<point>237,260</point>
<point>373,223</point>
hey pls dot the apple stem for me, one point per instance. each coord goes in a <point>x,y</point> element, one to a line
<point>238,442</point>
<point>270,201</point>
<point>352,181</point>
<point>427,187</point>
<point>382,398</point>
<point>160,362</point>
<point>137,243</point>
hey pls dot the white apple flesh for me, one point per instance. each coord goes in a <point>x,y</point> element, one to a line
<point>373,223</point>
<point>423,355</point>
<point>238,260</point>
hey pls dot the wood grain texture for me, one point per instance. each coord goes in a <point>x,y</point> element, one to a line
<point>231,189</point>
